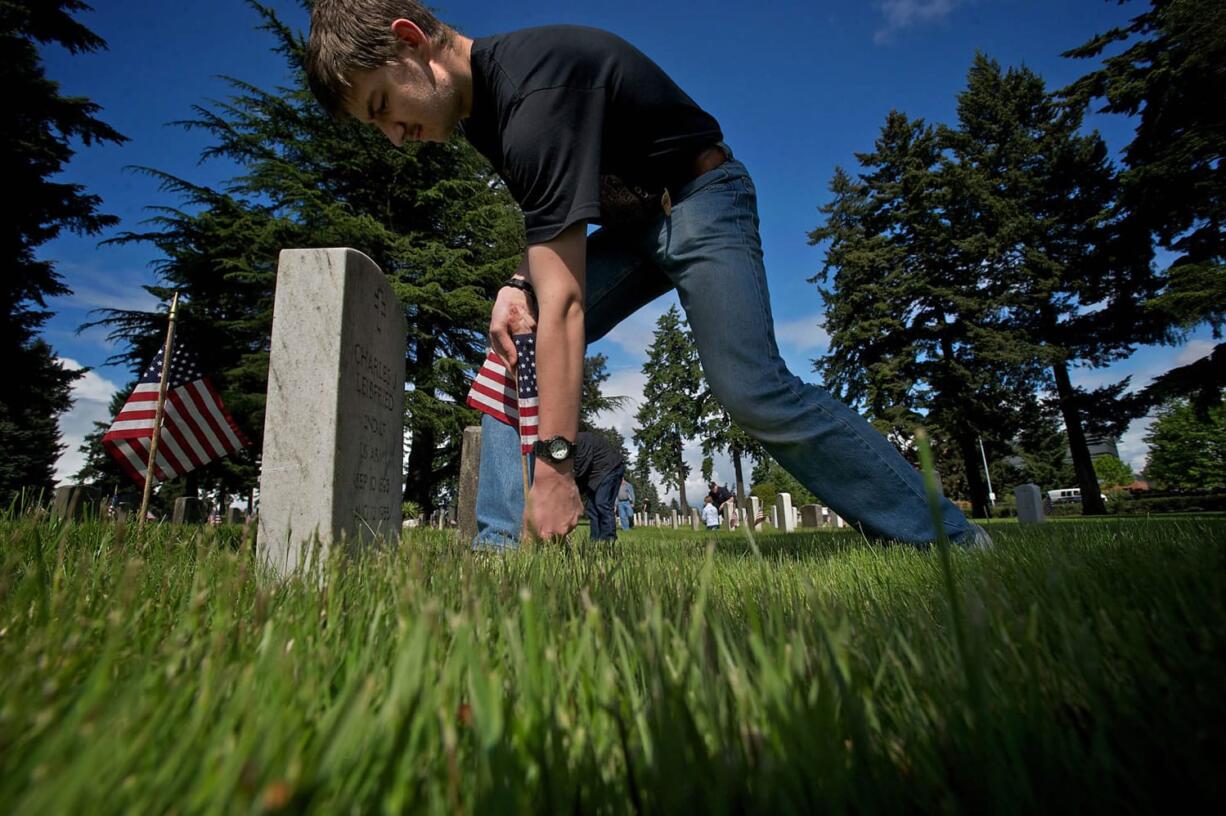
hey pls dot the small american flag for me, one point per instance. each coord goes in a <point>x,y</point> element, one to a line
<point>196,428</point>
<point>513,401</point>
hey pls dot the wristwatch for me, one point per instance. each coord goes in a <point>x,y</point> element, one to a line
<point>522,285</point>
<point>556,449</point>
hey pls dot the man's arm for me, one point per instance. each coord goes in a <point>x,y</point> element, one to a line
<point>556,269</point>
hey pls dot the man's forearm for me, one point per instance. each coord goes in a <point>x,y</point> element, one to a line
<point>557,272</point>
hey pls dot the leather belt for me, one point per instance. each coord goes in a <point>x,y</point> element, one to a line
<point>704,161</point>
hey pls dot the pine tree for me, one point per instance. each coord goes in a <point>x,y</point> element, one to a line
<point>671,409</point>
<point>720,433</point>
<point>433,217</point>
<point>593,400</point>
<point>1171,76</point>
<point>913,320</point>
<point>36,137</point>
<point>1042,194</point>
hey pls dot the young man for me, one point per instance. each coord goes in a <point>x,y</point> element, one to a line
<point>585,129</point>
<point>598,473</point>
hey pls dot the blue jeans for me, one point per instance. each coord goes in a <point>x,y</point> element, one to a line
<point>710,251</point>
<point>600,505</point>
<point>625,510</point>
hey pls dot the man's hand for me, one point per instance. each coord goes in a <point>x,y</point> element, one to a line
<point>512,315</point>
<point>553,504</point>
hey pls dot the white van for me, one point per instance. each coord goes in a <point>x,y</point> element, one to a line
<point>1068,494</point>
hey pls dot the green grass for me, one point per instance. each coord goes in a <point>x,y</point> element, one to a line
<point>671,672</point>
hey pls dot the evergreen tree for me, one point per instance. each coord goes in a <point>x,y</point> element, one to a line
<point>913,317</point>
<point>1187,451</point>
<point>36,137</point>
<point>593,400</point>
<point>645,492</point>
<point>671,409</point>
<point>1034,203</point>
<point>720,433</point>
<point>1171,76</point>
<point>433,217</point>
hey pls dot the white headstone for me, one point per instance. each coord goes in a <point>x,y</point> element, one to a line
<point>775,517</point>
<point>783,503</point>
<point>1029,504</point>
<point>673,519</point>
<point>334,416</point>
<point>755,509</point>
<point>695,519</point>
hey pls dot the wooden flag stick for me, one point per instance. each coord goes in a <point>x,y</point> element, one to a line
<point>157,415</point>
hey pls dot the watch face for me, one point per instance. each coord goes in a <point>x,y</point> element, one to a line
<point>558,448</point>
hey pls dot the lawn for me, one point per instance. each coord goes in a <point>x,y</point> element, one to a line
<point>1074,667</point>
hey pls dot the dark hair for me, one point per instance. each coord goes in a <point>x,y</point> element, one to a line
<point>349,37</point>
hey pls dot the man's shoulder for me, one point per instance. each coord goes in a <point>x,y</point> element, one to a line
<point>550,56</point>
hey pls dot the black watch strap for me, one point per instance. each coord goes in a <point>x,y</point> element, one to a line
<point>522,285</point>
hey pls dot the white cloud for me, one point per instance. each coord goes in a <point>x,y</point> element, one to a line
<point>1192,352</point>
<point>634,333</point>
<point>805,334</point>
<point>94,287</point>
<point>91,402</point>
<point>903,14</point>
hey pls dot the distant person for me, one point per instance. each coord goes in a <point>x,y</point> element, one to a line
<point>586,130</point>
<point>721,496</point>
<point>625,504</point>
<point>710,516</point>
<point>598,473</point>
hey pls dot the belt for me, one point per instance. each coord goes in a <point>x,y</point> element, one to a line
<point>706,160</point>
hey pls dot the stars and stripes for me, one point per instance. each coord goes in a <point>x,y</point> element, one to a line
<point>529,397</point>
<point>510,396</point>
<point>196,428</point>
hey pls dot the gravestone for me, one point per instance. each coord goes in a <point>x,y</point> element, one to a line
<point>68,502</point>
<point>755,510</point>
<point>811,515</point>
<point>1029,504</point>
<point>741,515</point>
<point>334,416</point>
<point>775,517</point>
<point>695,519</point>
<point>188,510</point>
<point>470,466</point>
<point>235,515</point>
<point>673,520</point>
<point>726,515</point>
<point>783,503</point>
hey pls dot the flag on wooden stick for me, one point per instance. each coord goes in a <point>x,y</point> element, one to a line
<point>196,428</point>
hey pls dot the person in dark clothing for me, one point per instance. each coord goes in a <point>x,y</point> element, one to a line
<point>598,473</point>
<point>585,129</point>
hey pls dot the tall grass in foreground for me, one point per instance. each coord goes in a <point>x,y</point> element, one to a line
<point>671,672</point>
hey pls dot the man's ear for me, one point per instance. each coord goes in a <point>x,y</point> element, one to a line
<point>408,33</point>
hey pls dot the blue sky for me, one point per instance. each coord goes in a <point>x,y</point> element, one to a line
<point>797,87</point>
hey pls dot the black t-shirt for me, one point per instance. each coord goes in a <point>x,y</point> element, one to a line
<point>595,459</point>
<point>564,112</point>
<point>720,495</point>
